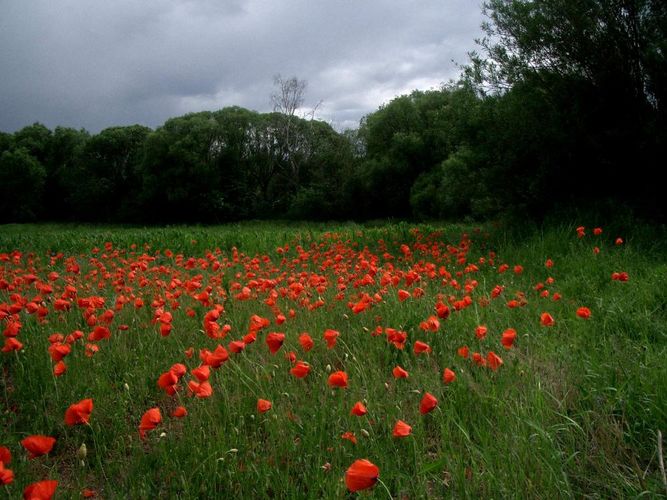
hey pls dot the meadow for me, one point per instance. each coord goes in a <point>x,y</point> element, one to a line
<point>314,360</point>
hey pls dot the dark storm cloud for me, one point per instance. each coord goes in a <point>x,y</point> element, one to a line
<point>93,64</point>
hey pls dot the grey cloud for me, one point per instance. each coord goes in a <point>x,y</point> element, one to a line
<point>95,64</point>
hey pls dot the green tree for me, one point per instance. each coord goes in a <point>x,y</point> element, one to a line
<point>21,184</point>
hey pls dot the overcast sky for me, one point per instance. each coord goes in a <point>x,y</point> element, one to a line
<point>95,64</point>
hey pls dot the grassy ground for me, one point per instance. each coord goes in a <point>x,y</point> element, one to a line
<point>574,409</point>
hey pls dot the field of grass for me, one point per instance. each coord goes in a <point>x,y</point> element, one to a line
<point>573,410</point>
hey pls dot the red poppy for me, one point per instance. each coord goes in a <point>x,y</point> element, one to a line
<point>149,421</point>
<point>38,445</point>
<point>179,412</point>
<point>597,231</point>
<point>6,475</point>
<point>430,325</point>
<point>361,475</point>
<point>202,373</point>
<point>330,336</point>
<point>547,319</point>
<point>88,493</point>
<point>428,403</point>
<point>237,346</point>
<point>403,295</point>
<point>508,338</point>
<point>59,368</point>
<point>463,351</point>
<point>494,360</point>
<point>58,351</point>
<point>401,430</point>
<point>350,437</point>
<point>5,455</point>
<point>275,341</point>
<point>338,379</point>
<point>42,490</point>
<point>306,342</point>
<point>421,347</point>
<point>79,413</point>
<point>300,370</point>
<point>584,312</point>
<point>11,344</point>
<point>263,405</point>
<point>619,241</point>
<point>358,409</point>
<point>200,390</point>
<point>448,376</point>
<point>480,331</point>
<point>399,372</point>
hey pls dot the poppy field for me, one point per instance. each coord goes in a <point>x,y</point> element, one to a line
<point>314,361</point>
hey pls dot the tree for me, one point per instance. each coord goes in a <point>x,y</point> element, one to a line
<point>21,184</point>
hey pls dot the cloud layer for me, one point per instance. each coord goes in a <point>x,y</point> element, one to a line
<point>94,64</point>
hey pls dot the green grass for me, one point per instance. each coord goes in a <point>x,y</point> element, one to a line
<point>573,411</point>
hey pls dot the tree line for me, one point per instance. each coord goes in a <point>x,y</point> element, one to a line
<point>564,106</point>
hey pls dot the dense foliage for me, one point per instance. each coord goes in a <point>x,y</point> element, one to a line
<point>564,106</point>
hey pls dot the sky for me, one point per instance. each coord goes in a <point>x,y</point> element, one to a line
<point>95,64</point>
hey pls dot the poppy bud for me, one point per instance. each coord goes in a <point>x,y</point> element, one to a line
<point>82,451</point>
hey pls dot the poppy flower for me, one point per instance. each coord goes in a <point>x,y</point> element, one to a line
<point>463,351</point>
<point>11,344</point>
<point>5,455</point>
<point>6,475</point>
<point>618,242</point>
<point>403,295</point>
<point>401,430</point>
<point>306,342</point>
<point>149,421</point>
<point>263,405</point>
<point>330,336</point>
<point>448,376</point>
<point>275,341</point>
<point>597,231</point>
<point>300,370</point>
<point>584,312</point>
<point>99,333</point>
<point>430,325</point>
<point>350,437</point>
<point>494,360</point>
<point>88,493</point>
<point>202,373</point>
<point>38,445</point>
<point>547,319</point>
<point>79,413</point>
<point>58,351</point>
<point>237,346</point>
<point>478,359</point>
<point>480,331</point>
<point>359,409</point>
<point>168,381</point>
<point>179,412</point>
<point>508,338</point>
<point>361,475</point>
<point>428,403</point>
<point>338,379</point>
<point>59,368</point>
<point>41,490</point>
<point>200,390</point>
<point>399,372</point>
<point>421,347</point>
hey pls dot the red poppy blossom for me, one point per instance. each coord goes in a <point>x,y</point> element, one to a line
<point>428,403</point>
<point>338,379</point>
<point>508,338</point>
<point>6,475</point>
<point>361,475</point>
<point>275,341</point>
<point>41,490</point>
<point>401,430</point>
<point>300,369</point>
<point>5,455</point>
<point>547,319</point>
<point>421,347</point>
<point>38,445</point>
<point>480,331</point>
<point>79,413</point>
<point>494,360</point>
<point>350,437</point>
<point>584,312</point>
<point>330,336</point>
<point>149,421</point>
<point>448,376</point>
<point>179,412</point>
<point>399,372</point>
<point>306,342</point>
<point>403,295</point>
<point>358,409</point>
<point>263,405</point>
